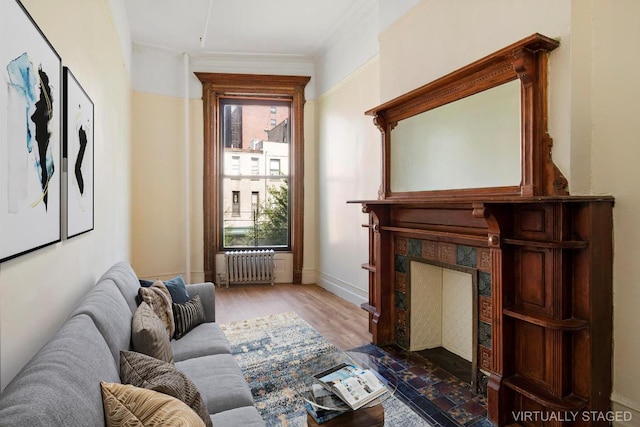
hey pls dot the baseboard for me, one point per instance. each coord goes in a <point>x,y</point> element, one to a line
<point>625,412</point>
<point>344,290</point>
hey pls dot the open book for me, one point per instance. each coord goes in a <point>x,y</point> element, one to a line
<point>355,386</point>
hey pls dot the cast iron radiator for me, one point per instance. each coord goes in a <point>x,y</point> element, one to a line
<point>249,267</point>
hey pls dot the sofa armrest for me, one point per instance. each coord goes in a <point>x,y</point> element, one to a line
<point>207,292</point>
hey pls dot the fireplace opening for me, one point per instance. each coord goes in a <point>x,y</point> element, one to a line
<point>443,317</point>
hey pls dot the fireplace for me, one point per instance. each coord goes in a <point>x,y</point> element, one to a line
<point>542,259</point>
<point>443,306</point>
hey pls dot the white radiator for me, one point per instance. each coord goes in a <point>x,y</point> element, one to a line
<point>249,267</point>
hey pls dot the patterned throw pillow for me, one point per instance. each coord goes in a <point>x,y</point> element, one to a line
<point>144,371</point>
<point>126,405</point>
<point>149,335</point>
<point>159,298</point>
<point>188,315</point>
<point>177,288</point>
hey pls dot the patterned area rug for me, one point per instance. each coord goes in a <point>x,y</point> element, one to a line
<point>270,350</point>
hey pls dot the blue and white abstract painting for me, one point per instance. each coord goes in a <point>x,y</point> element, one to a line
<point>30,134</point>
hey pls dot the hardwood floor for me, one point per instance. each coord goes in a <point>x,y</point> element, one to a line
<point>341,322</point>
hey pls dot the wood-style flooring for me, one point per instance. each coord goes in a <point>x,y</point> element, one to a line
<point>341,322</point>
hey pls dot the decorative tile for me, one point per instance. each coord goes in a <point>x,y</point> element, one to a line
<point>415,248</point>
<point>425,405</point>
<point>485,313</point>
<point>484,259</point>
<point>466,256</point>
<point>401,338</point>
<point>484,334</point>
<point>447,253</point>
<point>481,384</point>
<point>401,245</point>
<point>401,282</point>
<point>429,249</point>
<point>485,358</point>
<point>401,320</point>
<point>484,283</point>
<point>401,264</point>
<point>401,300</point>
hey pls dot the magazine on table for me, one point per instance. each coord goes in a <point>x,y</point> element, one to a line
<point>326,405</point>
<point>354,385</point>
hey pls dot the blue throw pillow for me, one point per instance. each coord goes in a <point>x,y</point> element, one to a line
<point>177,288</point>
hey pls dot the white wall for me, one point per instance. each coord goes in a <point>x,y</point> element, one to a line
<point>38,290</point>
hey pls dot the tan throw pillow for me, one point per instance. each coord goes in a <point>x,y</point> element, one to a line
<point>147,372</point>
<point>126,405</point>
<point>149,335</point>
<point>159,298</point>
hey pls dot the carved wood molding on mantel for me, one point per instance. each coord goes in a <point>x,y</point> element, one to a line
<point>525,60</point>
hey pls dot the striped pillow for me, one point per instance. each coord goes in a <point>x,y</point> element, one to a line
<point>187,316</point>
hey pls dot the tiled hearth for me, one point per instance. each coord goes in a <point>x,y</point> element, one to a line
<point>437,396</point>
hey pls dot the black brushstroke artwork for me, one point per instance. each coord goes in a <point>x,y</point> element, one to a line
<point>82,137</point>
<point>42,117</point>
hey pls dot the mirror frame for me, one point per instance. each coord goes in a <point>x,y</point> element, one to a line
<point>525,60</point>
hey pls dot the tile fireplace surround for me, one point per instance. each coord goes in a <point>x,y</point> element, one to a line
<point>447,255</point>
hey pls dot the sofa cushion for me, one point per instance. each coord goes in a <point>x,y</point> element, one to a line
<point>220,381</point>
<point>204,340</point>
<point>126,405</point>
<point>159,299</point>
<point>149,335</point>
<point>245,416</point>
<point>110,312</point>
<point>60,385</point>
<point>187,316</point>
<point>148,372</point>
<point>177,288</point>
<point>126,280</point>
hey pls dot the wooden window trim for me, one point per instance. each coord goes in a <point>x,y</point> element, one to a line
<point>216,85</point>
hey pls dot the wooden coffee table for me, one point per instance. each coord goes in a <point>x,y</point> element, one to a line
<point>370,417</point>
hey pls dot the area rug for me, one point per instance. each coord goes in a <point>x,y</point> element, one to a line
<point>271,350</point>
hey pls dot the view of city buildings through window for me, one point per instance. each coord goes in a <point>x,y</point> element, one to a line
<point>255,196</point>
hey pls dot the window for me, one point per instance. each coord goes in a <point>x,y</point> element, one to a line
<point>273,122</point>
<point>235,203</point>
<point>276,216</point>
<point>274,167</point>
<point>255,203</point>
<point>235,165</point>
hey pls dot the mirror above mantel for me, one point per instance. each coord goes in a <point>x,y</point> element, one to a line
<point>478,131</point>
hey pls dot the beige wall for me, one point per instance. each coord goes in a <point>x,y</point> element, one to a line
<point>614,165</point>
<point>348,168</point>
<point>38,290</point>
<point>158,236</point>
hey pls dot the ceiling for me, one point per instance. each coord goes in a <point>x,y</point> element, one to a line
<point>299,28</point>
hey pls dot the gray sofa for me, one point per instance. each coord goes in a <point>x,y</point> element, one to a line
<point>60,385</point>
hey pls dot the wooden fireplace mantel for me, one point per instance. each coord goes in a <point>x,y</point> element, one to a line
<point>550,260</point>
<point>545,256</point>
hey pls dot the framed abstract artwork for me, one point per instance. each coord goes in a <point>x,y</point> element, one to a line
<point>78,150</point>
<point>30,134</point>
